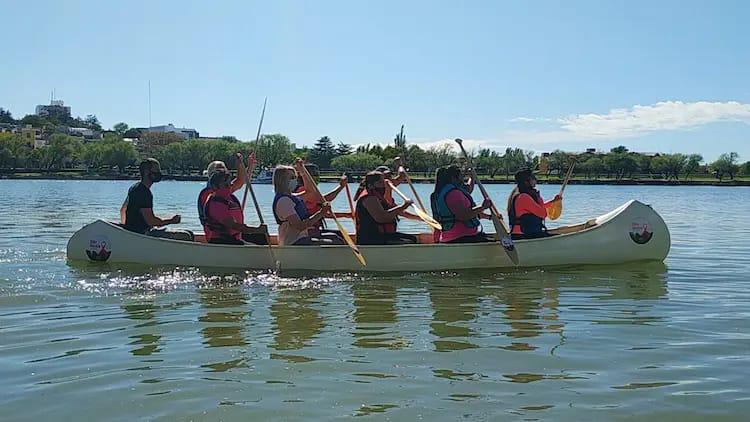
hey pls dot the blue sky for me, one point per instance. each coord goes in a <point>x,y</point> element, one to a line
<point>655,76</point>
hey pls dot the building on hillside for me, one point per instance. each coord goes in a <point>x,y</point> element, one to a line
<point>56,109</point>
<point>8,128</point>
<point>85,133</point>
<point>32,136</point>
<point>184,133</point>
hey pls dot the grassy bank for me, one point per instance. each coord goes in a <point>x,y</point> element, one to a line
<point>416,178</point>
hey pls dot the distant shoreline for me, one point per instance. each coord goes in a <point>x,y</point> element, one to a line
<point>552,181</point>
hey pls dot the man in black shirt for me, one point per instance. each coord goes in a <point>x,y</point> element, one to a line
<point>137,214</point>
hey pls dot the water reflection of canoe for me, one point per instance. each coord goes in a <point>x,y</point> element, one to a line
<point>614,238</point>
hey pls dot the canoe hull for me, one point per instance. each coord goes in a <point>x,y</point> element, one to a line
<point>632,232</point>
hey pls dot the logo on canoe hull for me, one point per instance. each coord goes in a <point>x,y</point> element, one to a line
<point>99,249</point>
<point>507,243</point>
<point>641,231</point>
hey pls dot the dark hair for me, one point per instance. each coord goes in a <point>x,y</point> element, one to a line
<point>147,165</point>
<point>369,179</point>
<point>443,176</point>
<point>523,185</point>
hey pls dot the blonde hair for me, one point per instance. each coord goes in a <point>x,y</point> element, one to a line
<point>281,177</point>
<point>212,166</point>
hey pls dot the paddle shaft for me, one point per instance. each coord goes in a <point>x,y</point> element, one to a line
<point>316,191</point>
<point>421,214</point>
<point>349,197</point>
<point>567,177</point>
<point>502,232</point>
<point>255,151</point>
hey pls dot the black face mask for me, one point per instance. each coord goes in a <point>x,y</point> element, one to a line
<point>156,176</point>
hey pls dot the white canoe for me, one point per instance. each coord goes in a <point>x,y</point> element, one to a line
<point>630,233</point>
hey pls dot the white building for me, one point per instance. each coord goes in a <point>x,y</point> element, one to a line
<point>184,133</point>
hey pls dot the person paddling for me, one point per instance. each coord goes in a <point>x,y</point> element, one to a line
<point>237,183</point>
<point>526,208</point>
<point>225,221</point>
<point>376,218</point>
<point>455,209</point>
<point>137,214</point>
<point>290,212</point>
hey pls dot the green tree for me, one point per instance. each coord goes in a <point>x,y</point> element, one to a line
<point>151,143</point>
<point>173,157</point>
<point>670,165</point>
<point>726,165</point>
<point>322,152</point>
<point>440,156</point>
<point>92,122</point>
<point>93,154</point>
<point>489,161</point>
<point>594,166</point>
<point>416,158</point>
<point>343,149</point>
<point>359,162</point>
<point>6,117</point>
<point>119,153</point>
<point>692,165</point>
<point>620,163</point>
<point>745,169</point>
<point>16,150</point>
<point>559,162</point>
<point>275,149</point>
<point>120,128</point>
<point>62,150</point>
<point>515,159</point>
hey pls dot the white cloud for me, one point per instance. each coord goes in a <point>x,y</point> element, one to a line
<point>665,115</point>
<point>523,119</point>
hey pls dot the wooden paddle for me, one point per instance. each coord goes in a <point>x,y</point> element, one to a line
<point>421,214</point>
<point>349,197</point>
<point>249,187</point>
<point>555,210</point>
<point>505,240</point>
<point>355,250</point>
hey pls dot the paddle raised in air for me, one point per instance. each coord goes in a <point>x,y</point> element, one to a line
<point>502,233</point>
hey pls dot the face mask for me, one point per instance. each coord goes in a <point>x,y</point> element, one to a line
<point>156,176</point>
<point>292,185</point>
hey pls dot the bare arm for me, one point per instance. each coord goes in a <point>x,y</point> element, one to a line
<point>330,196</point>
<point>378,213</point>
<point>154,221</point>
<point>301,225</point>
<point>123,211</point>
<point>241,174</point>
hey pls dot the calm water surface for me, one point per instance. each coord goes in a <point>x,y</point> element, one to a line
<point>658,342</point>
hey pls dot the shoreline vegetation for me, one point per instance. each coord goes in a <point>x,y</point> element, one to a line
<point>58,146</point>
<point>329,177</point>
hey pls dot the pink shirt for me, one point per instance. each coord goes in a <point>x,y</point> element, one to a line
<point>456,200</point>
<point>220,212</point>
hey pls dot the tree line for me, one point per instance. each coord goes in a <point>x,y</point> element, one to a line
<point>180,156</point>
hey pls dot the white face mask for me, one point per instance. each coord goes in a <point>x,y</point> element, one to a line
<point>292,184</point>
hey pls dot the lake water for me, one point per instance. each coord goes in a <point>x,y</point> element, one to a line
<point>655,342</point>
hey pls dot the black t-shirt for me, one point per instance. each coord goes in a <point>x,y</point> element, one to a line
<point>139,196</point>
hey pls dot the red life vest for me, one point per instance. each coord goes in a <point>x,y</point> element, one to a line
<point>214,228</point>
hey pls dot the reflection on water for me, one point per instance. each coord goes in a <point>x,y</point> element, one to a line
<point>225,315</point>
<point>296,321</point>
<point>375,314</point>
<point>584,343</point>
<point>146,341</point>
<point>454,307</point>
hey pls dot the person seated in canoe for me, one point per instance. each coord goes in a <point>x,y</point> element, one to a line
<point>237,183</point>
<point>312,205</point>
<point>137,214</point>
<point>455,209</point>
<point>526,208</point>
<point>225,221</point>
<point>376,217</point>
<point>289,210</point>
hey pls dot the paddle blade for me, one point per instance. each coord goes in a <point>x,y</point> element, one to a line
<point>350,242</point>
<point>427,219</point>
<point>555,210</point>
